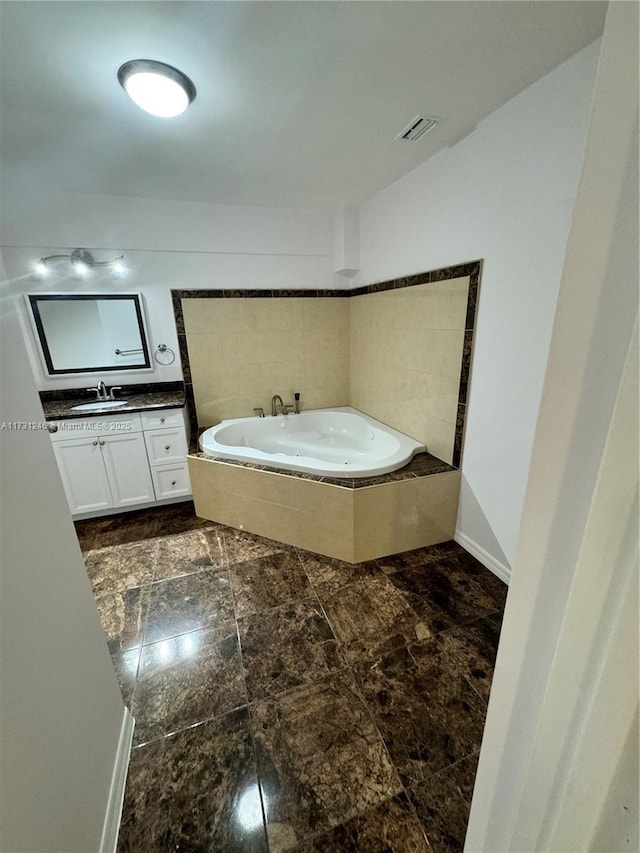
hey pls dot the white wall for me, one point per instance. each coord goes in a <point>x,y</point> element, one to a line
<point>564,698</point>
<point>61,706</point>
<point>505,194</point>
<point>167,244</point>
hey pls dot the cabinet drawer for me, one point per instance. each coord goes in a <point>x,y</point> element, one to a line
<point>104,425</point>
<point>162,419</point>
<point>171,481</point>
<point>166,445</point>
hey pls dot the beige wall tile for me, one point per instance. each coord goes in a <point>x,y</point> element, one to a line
<point>326,343</point>
<point>242,351</point>
<point>349,525</point>
<point>214,408</point>
<point>325,397</point>
<point>331,535</point>
<point>204,348</point>
<point>307,495</point>
<point>408,514</point>
<point>229,494</point>
<point>439,437</point>
<point>199,316</point>
<point>280,377</point>
<point>318,371</point>
<point>325,313</point>
<point>276,315</point>
<point>445,357</point>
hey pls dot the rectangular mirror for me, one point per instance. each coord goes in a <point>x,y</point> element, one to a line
<point>88,333</point>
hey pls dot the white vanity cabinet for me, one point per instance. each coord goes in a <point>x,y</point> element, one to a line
<point>121,461</point>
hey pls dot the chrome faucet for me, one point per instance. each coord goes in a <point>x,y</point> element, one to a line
<point>100,390</point>
<point>276,401</point>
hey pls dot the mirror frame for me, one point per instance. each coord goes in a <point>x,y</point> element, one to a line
<point>35,298</point>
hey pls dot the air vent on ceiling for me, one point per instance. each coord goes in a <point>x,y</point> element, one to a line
<point>417,128</point>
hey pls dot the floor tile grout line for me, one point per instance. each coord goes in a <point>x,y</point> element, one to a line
<point>453,764</point>
<point>189,727</point>
<point>235,617</point>
<point>485,702</point>
<point>209,626</point>
<point>146,618</point>
<point>287,691</point>
<point>263,809</point>
<point>322,608</point>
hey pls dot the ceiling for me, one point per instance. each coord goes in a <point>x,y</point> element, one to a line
<point>298,102</point>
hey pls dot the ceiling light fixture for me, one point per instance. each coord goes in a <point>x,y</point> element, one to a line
<point>157,88</point>
<point>82,261</point>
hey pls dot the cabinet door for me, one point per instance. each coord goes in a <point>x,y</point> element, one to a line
<point>83,475</point>
<point>127,468</point>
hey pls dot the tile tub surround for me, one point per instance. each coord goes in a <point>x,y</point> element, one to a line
<point>139,397</point>
<point>447,431</point>
<point>411,382</point>
<point>242,351</point>
<point>336,707</point>
<point>329,517</point>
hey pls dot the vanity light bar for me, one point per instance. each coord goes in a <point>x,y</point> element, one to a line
<point>82,261</point>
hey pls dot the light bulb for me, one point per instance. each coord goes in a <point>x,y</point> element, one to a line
<point>80,268</point>
<point>118,267</point>
<point>157,95</point>
<point>41,267</point>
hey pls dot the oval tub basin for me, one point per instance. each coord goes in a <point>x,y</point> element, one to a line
<point>341,442</point>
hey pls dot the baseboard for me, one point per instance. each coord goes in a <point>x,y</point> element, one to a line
<point>499,569</point>
<point>117,510</point>
<point>109,839</point>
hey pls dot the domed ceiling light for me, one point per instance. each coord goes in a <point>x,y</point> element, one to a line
<point>157,88</point>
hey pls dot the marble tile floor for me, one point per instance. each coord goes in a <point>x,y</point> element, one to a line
<point>285,701</point>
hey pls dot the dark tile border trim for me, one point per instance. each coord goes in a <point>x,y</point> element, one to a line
<point>422,465</point>
<point>473,269</point>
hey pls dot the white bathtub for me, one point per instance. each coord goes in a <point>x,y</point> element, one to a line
<point>338,442</point>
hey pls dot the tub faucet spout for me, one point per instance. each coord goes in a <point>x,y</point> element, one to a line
<point>276,401</point>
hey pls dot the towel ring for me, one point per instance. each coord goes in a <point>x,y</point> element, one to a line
<point>164,355</point>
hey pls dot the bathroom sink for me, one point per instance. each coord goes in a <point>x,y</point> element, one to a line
<point>96,407</point>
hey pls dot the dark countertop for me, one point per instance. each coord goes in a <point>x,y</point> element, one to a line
<point>139,398</point>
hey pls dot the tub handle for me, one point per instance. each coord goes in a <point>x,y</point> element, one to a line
<point>259,411</point>
<point>286,409</point>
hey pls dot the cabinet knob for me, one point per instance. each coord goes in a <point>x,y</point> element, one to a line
<point>167,447</point>
<point>173,482</point>
<point>101,443</point>
<point>52,428</point>
<point>95,443</point>
<point>161,420</point>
